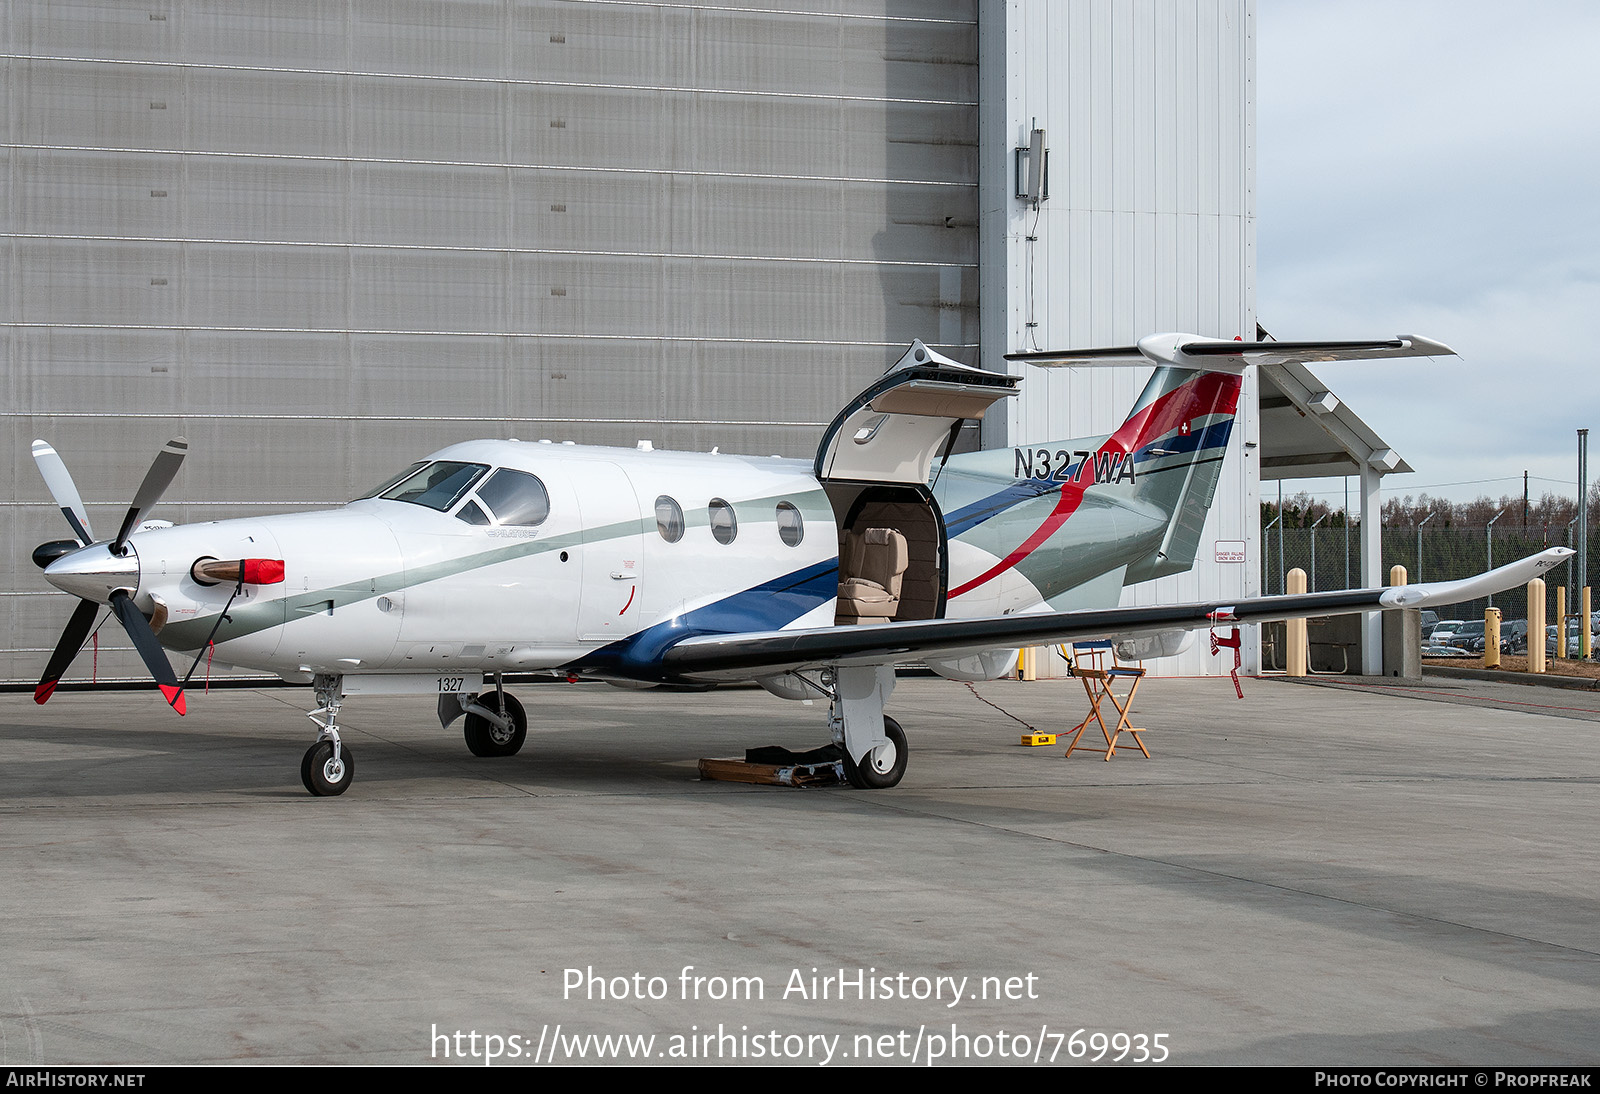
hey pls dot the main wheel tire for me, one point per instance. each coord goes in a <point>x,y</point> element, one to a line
<point>321,775</point>
<point>484,738</point>
<point>885,766</point>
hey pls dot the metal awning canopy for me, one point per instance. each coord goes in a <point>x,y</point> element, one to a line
<point>1308,432</point>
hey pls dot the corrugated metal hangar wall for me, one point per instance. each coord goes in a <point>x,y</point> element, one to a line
<point>321,239</point>
<point>1148,111</point>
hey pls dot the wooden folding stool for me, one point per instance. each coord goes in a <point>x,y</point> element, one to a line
<point>1098,685</point>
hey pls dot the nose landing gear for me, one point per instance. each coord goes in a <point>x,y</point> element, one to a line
<point>328,767</point>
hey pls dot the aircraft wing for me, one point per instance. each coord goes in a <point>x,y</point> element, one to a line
<point>740,656</point>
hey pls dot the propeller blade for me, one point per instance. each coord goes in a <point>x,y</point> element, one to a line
<point>72,640</point>
<point>144,640</point>
<point>160,476</point>
<point>59,482</point>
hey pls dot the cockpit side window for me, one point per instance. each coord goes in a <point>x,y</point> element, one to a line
<point>438,485</point>
<point>472,514</point>
<point>517,498</point>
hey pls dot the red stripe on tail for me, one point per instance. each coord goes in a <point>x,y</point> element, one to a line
<point>1208,393</point>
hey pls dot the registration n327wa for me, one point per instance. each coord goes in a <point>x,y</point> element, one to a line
<point>639,567</point>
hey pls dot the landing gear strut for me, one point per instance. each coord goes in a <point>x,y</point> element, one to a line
<point>328,767</point>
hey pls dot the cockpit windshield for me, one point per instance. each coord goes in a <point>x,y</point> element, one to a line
<point>392,480</point>
<point>437,485</point>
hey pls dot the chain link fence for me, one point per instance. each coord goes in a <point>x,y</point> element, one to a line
<point>1331,559</point>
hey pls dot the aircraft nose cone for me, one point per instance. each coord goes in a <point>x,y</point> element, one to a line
<point>93,572</point>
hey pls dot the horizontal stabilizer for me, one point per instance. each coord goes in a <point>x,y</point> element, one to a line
<point>1217,355</point>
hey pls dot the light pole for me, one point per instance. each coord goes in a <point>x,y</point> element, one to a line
<point>1425,520</point>
<point>1283,567</point>
<point>1488,543</point>
<point>1572,588</point>
<point>1268,539</point>
<point>1583,512</point>
<point>1314,524</point>
<point>1347,531</point>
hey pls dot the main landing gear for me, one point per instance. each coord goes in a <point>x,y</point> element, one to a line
<point>874,744</point>
<point>882,767</point>
<point>328,767</point>
<point>499,730</point>
<point>496,724</point>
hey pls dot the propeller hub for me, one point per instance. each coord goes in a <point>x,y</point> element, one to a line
<point>93,572</point>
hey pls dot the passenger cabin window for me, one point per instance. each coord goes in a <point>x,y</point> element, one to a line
<point>516,498</point>
<point>724,527</point>
<point>791,529</point>
<point>438,485</point>
<point>669,519</point>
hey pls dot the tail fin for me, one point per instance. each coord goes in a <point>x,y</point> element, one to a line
<point>1161,466</point>
<point>1174,440</point>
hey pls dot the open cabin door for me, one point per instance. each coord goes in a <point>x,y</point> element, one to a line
<point>874,462</point>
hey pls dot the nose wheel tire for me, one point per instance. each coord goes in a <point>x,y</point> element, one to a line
<point>484,738</point>
<point>885,765</point>
<point>322,774</point>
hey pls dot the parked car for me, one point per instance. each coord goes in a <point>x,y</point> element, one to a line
<point>1466,634</point>
<point>1440,635</point>
<point>1513,636</point>
<point>1572,641</point>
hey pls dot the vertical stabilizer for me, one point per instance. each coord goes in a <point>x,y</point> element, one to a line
<point>1180,426</point>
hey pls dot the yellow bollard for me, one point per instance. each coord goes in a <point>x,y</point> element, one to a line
<point>1491,638</point>
<point>1561,621</point>
<point>1583,628</point>
<point>1397,575</point>
<point>1536,625</point>
<point>1295,629</point>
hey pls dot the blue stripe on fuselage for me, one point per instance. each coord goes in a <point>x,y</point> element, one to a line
<point>970,516</point>
<point>769,606</point>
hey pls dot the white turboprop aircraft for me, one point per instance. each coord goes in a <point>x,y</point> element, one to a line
<point>642,567</point>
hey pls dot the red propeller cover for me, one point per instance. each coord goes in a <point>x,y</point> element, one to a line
<point>263,571</point>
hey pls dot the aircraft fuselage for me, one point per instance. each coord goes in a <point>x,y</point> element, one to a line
<point>387,586</point>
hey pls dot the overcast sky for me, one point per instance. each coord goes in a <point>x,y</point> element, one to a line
<point>1434,168</point>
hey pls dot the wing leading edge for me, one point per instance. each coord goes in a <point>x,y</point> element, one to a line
<point>739,656</point>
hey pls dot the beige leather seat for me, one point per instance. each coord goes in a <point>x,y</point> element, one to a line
<point>871,563</point>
